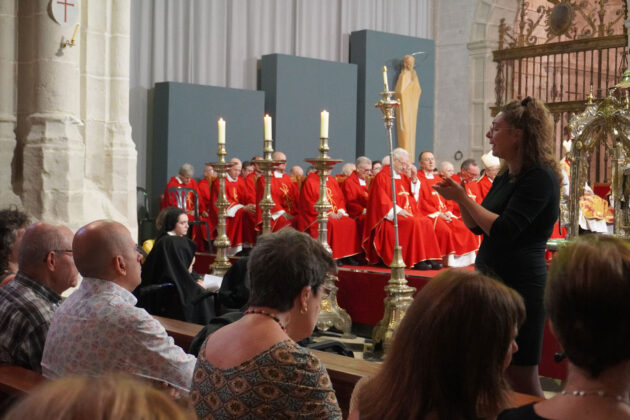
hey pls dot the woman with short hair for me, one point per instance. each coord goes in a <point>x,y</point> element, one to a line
<point>448,355</point>
<point>587,299</point>
<point>253,368</point>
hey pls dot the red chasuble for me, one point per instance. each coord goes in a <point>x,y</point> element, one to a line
<point>239,228</point>
<point>342,233</point>
<point>356,196</point>
<point>484,185</point>
<point>461,239</point>
<point>284,193</point>
<point>416,235</point>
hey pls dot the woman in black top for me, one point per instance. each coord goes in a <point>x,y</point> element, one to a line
<point>517,218</point>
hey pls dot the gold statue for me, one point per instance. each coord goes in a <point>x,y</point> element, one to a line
<point>408,93</point>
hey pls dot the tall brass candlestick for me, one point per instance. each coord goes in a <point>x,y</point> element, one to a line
<point>267,165</point>
<point>221,243</point>
<point>331,314</point>
<point>399,295</point>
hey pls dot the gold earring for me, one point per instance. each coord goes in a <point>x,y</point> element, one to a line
<point>303,310</point>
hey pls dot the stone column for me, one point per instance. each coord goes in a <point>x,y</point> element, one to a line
<point>8,100</point>
<point>48,118</point>
<point>628,28</point>
<point>110,152</point>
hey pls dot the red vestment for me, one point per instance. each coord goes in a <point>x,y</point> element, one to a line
<point>416,235</point>
<point>472,189</point>
<point>484,185</point>
<point>250,187</point>
<point>206,207</point>
<point>343,237</point>
<point>462,240</point>
<point>171,200</point>
<point>239,227</point>
<point>285,194</point>
<point>356,196</point>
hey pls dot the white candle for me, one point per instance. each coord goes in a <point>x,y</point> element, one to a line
<point>323,127</point>
<point>221,136</point>
<point>385,79</point>
<point>267,121</point>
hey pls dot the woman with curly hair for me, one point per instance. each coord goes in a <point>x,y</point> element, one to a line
<point>517,218</point>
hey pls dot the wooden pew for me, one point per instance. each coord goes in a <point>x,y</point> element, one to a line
<point>16,380</point>
<point>344,371</point>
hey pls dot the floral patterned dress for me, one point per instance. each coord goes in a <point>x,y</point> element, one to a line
<point>283,382</point>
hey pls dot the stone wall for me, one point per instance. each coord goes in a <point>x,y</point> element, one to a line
<point>72,156</point>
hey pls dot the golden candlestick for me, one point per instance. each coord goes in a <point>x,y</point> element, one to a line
<point>221,243</point>
<point>399,295</point>
<point>267,165</point>
<point>331,314</point>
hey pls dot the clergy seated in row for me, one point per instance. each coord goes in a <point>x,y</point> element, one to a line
<point>491,165</point>
<point>355,190</point>
<point>343,236</point>
<point>284,193</point>
<point>240,218</point>
<point>417,238</point>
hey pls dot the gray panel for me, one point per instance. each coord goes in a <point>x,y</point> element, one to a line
<point>185,128</point>
<point>297,89</point>
<point>371,50</point>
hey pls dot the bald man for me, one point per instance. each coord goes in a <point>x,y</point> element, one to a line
<point>241,212</point>
<point>98,328</point>
<point>284,193</point>
<point>27,304</point>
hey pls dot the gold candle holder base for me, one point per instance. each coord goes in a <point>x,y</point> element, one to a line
<point>331,314</point>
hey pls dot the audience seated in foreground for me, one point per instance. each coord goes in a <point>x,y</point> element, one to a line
<point>587,295</point>
<point>111,397</point>
<point>253,368</point>
<point>27,303</point>
<point>448,355</point>
<point>98,329</point>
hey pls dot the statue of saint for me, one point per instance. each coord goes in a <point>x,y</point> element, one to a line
<point>408,92</point>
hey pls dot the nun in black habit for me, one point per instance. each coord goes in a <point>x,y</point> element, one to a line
<point>169,287</point>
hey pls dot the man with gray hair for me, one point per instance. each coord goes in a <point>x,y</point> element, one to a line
<point>99,329</point>
<point>420,247</point>
<point>27,304</point>
<point>185,179</point>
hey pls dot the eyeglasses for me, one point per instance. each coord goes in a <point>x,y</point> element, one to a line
<point>494,128</point>
<point>62,250</point>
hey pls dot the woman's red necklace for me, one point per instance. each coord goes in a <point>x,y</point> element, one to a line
<point>267,314</point>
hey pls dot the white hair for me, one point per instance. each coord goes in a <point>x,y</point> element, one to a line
<point>363,159</point>
<point>186,170</point>
<point>399,153</point>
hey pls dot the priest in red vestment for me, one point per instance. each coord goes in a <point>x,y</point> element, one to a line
<point>464,243</point>
<point>284,193</point>
<point>206,210</point>
<point>467,177</point>
<point>184,179</point>
<point>342,229</point>
<point>491,164</point>
<point>420,247</point>
<point>241,216</point>
<point>355,191</point>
